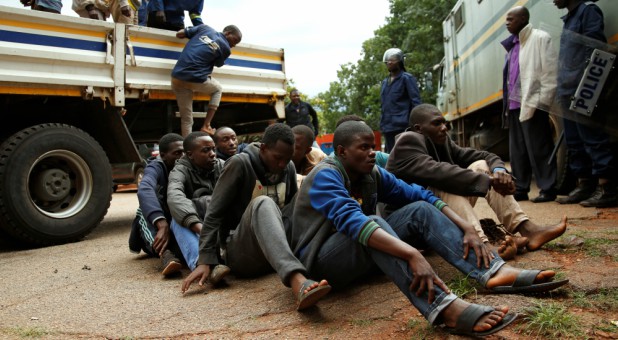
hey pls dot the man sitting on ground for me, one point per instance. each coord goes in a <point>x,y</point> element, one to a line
<point>150,230</point>
<point>305,156</point>
<point>336,235</point>
<point>226,143</point>
<point>381,157</point>
<point>425,155</point>
<point>189,191</point>
<point>244,222</point>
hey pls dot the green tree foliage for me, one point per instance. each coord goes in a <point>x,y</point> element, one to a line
<point>414,26</point>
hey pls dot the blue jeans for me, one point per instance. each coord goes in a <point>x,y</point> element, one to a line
<point>188,241</point>
<point>342,260</point>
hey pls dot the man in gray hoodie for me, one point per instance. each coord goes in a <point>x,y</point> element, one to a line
<point>244,225</point>
<point>189,191</point>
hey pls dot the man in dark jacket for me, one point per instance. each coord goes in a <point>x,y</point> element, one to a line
<point>298,112</point>
<point>150,230</point>
<point>205,50</point>
<point>427,156</point>
<point>399,94</point>
<point>591,157</point>
<point>336,235</point>
<point>244,222</point>
<point>189,191</point>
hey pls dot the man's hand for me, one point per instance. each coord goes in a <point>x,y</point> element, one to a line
<point>160,17</point>
<point>163,236</point>
<point>472,240</point>
<point>126,11</point>
<point>196,228</point>
<point>424,277</point>
<point>181,34</point>
<point>503,183</point>
<point>200,273</point>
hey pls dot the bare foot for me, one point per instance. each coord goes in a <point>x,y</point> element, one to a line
<point>539,235</point>
<point>297,280</point>
<point>520,241</point>
<point>452,312</point>
<point>507,248</point>
<point>209,130</point>
<point>315,285</point>
<point>506,275</point>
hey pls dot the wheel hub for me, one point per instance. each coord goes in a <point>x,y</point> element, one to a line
<point>52,185</point>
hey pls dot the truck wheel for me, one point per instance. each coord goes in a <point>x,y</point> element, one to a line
<point>55,184</point>
<point>139,174</point>
<point>565,181</point>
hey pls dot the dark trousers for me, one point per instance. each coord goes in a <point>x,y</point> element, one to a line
<point>589,151</point>
<point>530,147</point>
<point>389,140</point>
<point>153,22</point>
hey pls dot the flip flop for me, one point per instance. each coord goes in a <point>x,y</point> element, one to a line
<point>469,317</point>
<point>524,283</point>
<point>306,300</point>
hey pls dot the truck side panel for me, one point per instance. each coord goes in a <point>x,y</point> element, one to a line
<point>57,55</point>
<point>80,93</point>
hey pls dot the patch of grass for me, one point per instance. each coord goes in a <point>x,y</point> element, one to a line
<point>28,332</point>
<point>462,286</point>
<point>550,321</point>
<point>560,275</point>
<point>422,328</point>
<point>413,323</point>
<point>592,246</point>
<point>595,246</point>
<point>606,326</point>
<point>362,322</point>
<point>555,245</point>
<point>604,299</point>
<point>580,299</point>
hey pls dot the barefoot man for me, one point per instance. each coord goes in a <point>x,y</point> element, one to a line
<point>425,155</point>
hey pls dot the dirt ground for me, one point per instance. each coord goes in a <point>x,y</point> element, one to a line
<point>97,289</point>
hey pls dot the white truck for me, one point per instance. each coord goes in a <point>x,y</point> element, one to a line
<point>470,83</point>
<point>77,95</point>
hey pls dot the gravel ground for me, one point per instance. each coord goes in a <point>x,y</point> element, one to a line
<point>97,289</point>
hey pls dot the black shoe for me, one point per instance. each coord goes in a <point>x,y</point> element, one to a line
<point>520,196</point>
<point>604,196</point>
<point>171,264</point>
<point>585,189</point>
<point>544,197</point>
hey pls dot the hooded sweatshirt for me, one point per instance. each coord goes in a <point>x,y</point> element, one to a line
<point>244,178</point>
<point>189,189</point>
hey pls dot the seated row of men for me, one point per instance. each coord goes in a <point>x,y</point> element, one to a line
<point>247,215</point>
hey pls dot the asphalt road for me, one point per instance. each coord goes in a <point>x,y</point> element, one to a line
<point>96,288</point>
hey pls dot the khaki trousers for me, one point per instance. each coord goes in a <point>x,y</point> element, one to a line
<point>184,97</point>
<point>506,208</point>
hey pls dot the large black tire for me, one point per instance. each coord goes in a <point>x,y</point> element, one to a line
<point>55,184</point>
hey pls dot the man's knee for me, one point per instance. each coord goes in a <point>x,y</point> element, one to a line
<point>480,166</point>
<point>263,202</point>
<point>417,207</point>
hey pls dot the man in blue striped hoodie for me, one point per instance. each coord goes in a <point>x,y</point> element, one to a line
<point>337,236</point>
